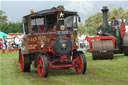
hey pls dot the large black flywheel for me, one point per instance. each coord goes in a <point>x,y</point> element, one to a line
<point>62,46</point>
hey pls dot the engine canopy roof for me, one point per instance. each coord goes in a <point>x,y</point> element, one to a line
<point>51,11</point>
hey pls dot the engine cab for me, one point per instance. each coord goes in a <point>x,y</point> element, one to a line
<point>55,28</point>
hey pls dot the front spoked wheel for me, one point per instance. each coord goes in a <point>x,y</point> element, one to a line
<point>81,63</point>
<point>42,66</point>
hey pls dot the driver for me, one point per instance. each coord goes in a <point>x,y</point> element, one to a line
<point>114,24</point>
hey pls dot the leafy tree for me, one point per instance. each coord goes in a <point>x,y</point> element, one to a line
<point>93,22</point>
<point>81,28</point>
<point>3,17</point>
<point>9,27</point>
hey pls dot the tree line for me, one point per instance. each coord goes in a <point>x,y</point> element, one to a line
<point>89,27</point>
<point>9,27</point>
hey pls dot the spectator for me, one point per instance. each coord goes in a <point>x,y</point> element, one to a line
<point>17,41</point>
<point>13,43</point>
<point>122,19</point>
<point>0,43</point>
<point>4,41</point>
<point>126,27</point>
<point>86,41</point>
<point>9,45</point>
<point>86,44</point>
<point>114,24</point>
<point>20,43</point>
<point>81,39</point>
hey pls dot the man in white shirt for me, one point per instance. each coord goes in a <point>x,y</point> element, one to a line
<point>17,41</point>
<point>126,27</point>
<point>4,42</point>
<point>81,39</point>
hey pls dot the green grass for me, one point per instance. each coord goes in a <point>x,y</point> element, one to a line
<point>99,72</point>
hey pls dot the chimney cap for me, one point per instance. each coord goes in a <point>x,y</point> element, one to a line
<point>105,9</point>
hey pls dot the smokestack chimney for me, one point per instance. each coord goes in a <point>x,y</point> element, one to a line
<point>105,17</point>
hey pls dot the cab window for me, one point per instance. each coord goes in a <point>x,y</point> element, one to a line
<point>37,25</point>
<point>70,21</point>
<point>38,21</point>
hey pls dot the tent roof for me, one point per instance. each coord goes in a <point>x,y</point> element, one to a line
<point>4,34</point>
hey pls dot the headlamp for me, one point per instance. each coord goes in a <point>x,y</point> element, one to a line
<point>62,27</point>
<point>42,46</point>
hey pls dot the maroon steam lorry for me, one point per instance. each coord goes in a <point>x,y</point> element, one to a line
<point>50,41</point>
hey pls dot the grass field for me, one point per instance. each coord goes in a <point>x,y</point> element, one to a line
<point>99,72</point>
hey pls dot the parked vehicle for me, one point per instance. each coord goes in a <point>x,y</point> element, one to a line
<point>50,41</point>
<point>107,42</point>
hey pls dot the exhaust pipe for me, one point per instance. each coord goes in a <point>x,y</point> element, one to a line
<point>105,17</point>
<point>102,30</point>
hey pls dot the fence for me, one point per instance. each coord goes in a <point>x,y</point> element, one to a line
<point>8,50</point>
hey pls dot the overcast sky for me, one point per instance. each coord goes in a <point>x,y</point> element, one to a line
<point>16,9</point>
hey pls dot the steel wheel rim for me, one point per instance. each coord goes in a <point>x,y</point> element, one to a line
<point>40,66</point>
<point>21,61</point>
<point>78,67</point>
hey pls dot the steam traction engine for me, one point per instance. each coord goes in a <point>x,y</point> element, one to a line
<point>109,40</point>
<point>50,41</point>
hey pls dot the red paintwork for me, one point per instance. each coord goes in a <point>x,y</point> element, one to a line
<point>40,66</point>
<point>50,49</point>
<point>41,28</point>
<point>40,40</point>
<point>53,29</point>
<point>21,61</point>
<point>11,34</point>
<point>89,39</point>
<point>78,67</point>
<point>77,63</point>
<point>34,42</point>
<point>61,66</point>
<point>122,29</point>
<point>34,45</point>
<point>31,40</point>
<point>63,57</point>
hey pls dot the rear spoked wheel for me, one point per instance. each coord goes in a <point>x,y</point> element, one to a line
<point>42,66</point>
<point>25,62</point>
<point>81,63</point>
